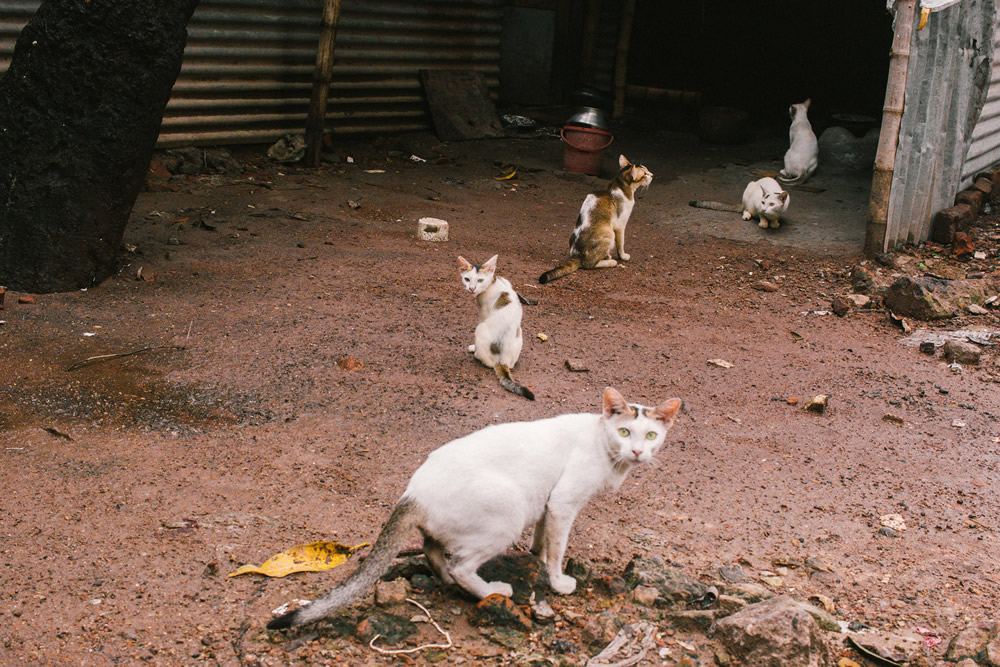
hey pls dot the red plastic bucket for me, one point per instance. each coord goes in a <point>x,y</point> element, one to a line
<point>584,148</point>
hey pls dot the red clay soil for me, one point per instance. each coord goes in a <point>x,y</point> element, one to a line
<point>301,357</point>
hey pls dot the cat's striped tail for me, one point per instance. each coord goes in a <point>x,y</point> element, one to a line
<point>507,382</point>
<point>390,542</point>
<point>564,269</point>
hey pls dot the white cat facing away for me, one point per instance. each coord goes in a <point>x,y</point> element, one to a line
<point>473,497</point>
<point>765,200</point>
<point>802,156</point>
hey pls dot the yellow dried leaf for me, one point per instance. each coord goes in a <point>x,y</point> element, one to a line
<point>508,174</point>
<point>314,557</point>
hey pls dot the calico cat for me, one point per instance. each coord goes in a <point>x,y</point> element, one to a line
<point>802,156</point>
<point>473,497</point>
<point>766,201</point>
<point>498,338</point>
<point>601,223</point>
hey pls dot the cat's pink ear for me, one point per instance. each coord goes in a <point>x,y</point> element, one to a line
<point>667,410</point>
<point>614,404</point>
<point>463,264</point>
<point>490,264</point>
<point>622,161</point>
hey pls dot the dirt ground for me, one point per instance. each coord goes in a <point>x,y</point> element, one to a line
<point>134,485</point>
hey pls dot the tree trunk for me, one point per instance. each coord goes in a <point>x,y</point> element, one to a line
<point>80,110</point>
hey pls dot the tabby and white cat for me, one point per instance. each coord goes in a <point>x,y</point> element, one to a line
<point>600,226</point>
<point>473,497</point>
<point>766,201</point>
<point>498,338</point>
<point>802,156</point>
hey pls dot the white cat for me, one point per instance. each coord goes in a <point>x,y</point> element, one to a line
<point>498,338</point>
<point>473,497</point>
<point>802,156</point>
<point>765,200</point>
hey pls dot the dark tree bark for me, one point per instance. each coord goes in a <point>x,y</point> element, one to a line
<point>80,110</point>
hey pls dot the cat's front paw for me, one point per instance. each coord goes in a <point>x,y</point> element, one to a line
<point>775,224</point>
<point>746,215</point>
<point>625,256</point>
<point>563,584</point>
<point>499,587</point>
<point>763,223</point>
<point>472,349</point>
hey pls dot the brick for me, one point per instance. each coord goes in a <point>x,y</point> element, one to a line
<point>950,220</point>
<point>995,175</point>
<point>984,184</point>
<point>974,197</point>
<point>432,229</point>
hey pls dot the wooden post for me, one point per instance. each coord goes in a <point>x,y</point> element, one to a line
<point>621,56</point>
<point>892,114</point>
<point>316,120</point>
<point>589,50</point>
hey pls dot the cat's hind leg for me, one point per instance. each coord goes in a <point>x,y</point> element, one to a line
<point>538,540</point>
<point>605,264</point>
<point>434,552</point>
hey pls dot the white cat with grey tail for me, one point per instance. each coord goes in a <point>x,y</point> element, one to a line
<point>802,156</point>
<point>472,498</point>
<point>765,200</point>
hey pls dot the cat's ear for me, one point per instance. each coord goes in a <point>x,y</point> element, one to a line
<point>807,102</point>
<point>490,265</point>
<point>667,410</point>
<point>622,161</point>
<point>614,403</point>
<point>783,196</point>
<point>463,264</point>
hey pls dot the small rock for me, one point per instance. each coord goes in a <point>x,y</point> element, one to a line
<point>886,531</point>
<point>792,400</point>
<point>774,581</point>
<point>393,628</point>
<point>961,352</point>
<point>601,629</point>
<point>975,640</point>
<point>774,632</point>
<point>976,309</point>
<point>349,364</point>
<point>356,205</point>
<point>928,347</point>
<point>962,245</point>
<point>748,591</point>
<point>692,620</point>
<point>817,404</point>
<point>645,595</point>
<point>765,286</point>
<point>576,365</point>
<point>610,585</point>
<point>721,363</point>
<point>847,662</point>
<point>730,604</point>
<point>862,281</point>
<point>979,254</point>
<point>823,601</point>
<point>894,521</point>
<point>859,300</point>
<point>423,583</point>
<point>26,299</point>
<point>499,610</point>
<point>841,306</point>
<point>893,419</point>
<point>432,229</point>
<point>543,612</point>
<point>390,592</point>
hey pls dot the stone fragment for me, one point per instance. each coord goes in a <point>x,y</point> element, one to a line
<point>900,646</point>
<point>976,309</point>
<point>499,610</point>
<point>730,604</point>
<point>973,641</point>
<point>692,620</point>
<point>956,218</point>
<point>749,591</point>
<point>817,404</point>
<point>392,627</point>
<point>928,347</point>
<point>841,306</point>
<point>432,229</point>
<point>773,632</point>
<point>610,585</point>
<point>962,245</point>
<point>960,352</point>
<point>862,281</point>
<point>673,585</point>
<point>390,592</point>
<point>984,185</point>
<point>765,286</point>
<point>859,300</point>
<point>543,612</point>
<point>919,297</point>
<point>576,365</point>
<point>645,595</point>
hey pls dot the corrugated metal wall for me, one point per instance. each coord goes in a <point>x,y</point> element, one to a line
<point>248,66</point>
<point>947,76</point>
<point>984,151</point>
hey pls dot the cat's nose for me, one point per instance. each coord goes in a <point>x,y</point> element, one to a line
<point>637,453</point>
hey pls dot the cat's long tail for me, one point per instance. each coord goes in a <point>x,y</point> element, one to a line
<point>792,180</point>
<point>507,382</point>
<point>564,269</point>
<point>715,205</point>
<point>390,542</point>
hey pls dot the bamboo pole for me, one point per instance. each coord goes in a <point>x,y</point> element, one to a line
<point>892,114</point>
<point>589,49</point>
<point>621,56</point>
<point>323,74</point>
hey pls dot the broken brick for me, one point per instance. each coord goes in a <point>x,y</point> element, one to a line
<point>974,197</point>
<point>985,185</point>
<point>962,245</point>
<point>947,221</point>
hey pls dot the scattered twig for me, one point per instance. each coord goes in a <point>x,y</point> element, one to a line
<point>57,433</point>
<point>188,337</point>
<point>640,635</point>
<point>104,357</point>
<point>397,651</point>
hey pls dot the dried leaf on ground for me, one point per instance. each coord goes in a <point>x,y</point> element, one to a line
<point>314,557</point>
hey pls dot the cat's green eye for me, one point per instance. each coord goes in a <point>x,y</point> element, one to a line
<point>480,280</point>
<point>651,435</point>
<point>623,432</point>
